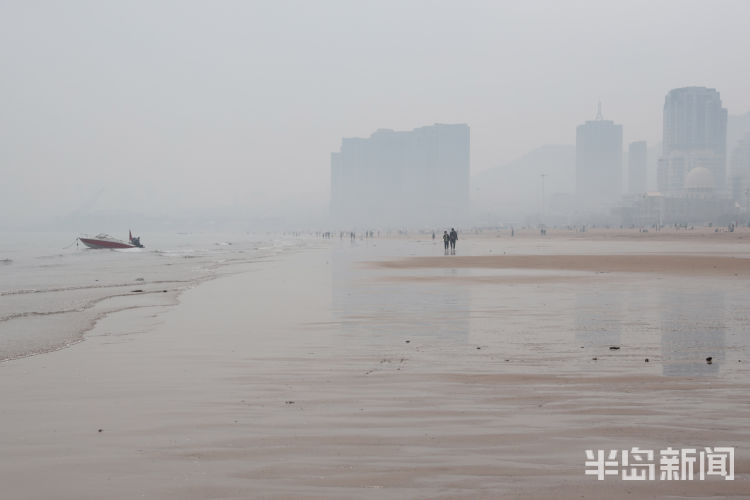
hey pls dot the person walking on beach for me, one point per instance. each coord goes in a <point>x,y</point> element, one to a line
<point>453,237</point>
<point>446,241</point>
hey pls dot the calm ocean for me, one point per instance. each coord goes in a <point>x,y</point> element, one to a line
<point>53,290</point>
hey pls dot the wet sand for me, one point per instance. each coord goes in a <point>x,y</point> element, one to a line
<point>691,265</point>
<point>314,376</point>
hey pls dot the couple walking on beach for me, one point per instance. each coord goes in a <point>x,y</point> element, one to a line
<point>450,239</point>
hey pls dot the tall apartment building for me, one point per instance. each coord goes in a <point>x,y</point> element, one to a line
<point>637,167</point>
<point>402,179</point>
<point>694,136</point>
<point>598,164</point>
<point>740,173</point>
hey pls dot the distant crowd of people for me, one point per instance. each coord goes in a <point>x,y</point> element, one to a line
<point>450,237</point>
<point>352,235</point>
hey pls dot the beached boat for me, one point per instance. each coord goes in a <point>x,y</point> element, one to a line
<point>106,241</point>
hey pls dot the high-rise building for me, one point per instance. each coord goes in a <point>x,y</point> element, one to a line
<point>397,179</point>
<point>598,164</point>
<point>637,167</point>
<point>740,173</point>
<point>694,136</point>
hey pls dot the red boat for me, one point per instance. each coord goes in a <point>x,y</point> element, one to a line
<point>107,241</point>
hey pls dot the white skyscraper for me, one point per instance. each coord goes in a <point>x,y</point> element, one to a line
<point>740,173</point>
<point>598,164</point>
<point>637,167</point>
<point>694,136</point>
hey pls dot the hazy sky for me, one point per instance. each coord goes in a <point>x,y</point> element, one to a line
<point>171,105</point>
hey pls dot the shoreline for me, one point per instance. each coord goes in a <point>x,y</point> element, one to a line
<point>79,320</point>
<point>307,378</point>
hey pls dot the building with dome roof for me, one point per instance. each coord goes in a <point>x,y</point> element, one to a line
<point>698,202</point>
<point>694,135</point>
<point>700,181</point>
<point>691,171</point>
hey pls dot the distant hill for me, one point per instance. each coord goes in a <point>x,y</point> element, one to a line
<point>516,187</point>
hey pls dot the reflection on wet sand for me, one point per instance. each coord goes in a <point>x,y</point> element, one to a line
<point>388,311</point>
<point>598,318</point>
<point>551,316</point>
<point>692,329</point>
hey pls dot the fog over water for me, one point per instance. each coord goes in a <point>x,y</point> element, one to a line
<point>187,113</point>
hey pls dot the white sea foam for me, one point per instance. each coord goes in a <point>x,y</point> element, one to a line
<point>52,294</point>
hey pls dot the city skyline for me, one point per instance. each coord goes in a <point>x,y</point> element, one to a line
<point>236,107</point>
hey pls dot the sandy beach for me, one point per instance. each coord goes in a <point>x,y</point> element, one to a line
<point>383,369</point>
<point>684,265</point>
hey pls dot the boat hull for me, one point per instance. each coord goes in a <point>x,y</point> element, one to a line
<point>94,243</point>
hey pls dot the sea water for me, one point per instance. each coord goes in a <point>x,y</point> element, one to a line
<point>53,289</point>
